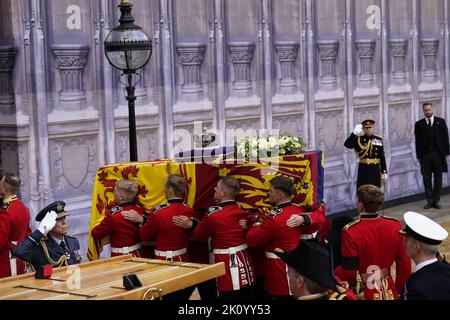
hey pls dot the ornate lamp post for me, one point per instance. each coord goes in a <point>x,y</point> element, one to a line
<point>128,48</point>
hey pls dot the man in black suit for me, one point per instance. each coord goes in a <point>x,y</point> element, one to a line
<point>432,150</point>
<point>431,278</point>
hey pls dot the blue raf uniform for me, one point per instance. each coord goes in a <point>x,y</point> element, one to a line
<point>41,250</point>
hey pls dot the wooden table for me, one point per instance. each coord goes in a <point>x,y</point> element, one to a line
<point>103,280</point>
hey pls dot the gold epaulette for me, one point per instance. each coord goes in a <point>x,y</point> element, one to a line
<point>336,296</point>
<point>391,218</point>
<point>378,137</point>
<point>351,224</point>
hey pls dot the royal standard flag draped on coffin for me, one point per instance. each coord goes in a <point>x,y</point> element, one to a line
<point>306,169</point>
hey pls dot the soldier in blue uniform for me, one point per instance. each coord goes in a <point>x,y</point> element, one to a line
<point>431,277</point>
<point>50,244</point>
<point>369,149</point>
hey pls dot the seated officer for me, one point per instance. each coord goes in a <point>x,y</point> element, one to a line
<point>310,272</point>
<point>57,248</point>
<point>431,278</point>
<point>370,151</point>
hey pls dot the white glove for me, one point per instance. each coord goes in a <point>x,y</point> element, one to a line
<point>47,223</point>
<point>358,131</point>
<point>384,176</point>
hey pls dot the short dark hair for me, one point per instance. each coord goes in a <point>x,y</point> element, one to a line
<point>427,104</point>
<point>12,182</point>
<point>232,185</point>
<point>178,185</point>
<point>371,197</point>
<point>284,184</point>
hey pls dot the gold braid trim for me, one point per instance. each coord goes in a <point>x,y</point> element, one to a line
<point>62,260</point>
<point>365,149</point>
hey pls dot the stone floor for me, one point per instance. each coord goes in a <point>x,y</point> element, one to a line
<point>440,216</point>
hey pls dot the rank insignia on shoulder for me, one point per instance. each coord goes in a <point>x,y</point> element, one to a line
<point>391,218</point>
<point>6,206</point>
<point>160,206</point>
<point>351,224</point>
<point>213,209</point>
<point>276,212</point>
<point>378,137</point>
<point>115,209</point>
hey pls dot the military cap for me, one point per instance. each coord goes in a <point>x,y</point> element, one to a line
<point>423,229</point>
<point>368,122</point>
<point>313,261</point>
<point>57,206</point>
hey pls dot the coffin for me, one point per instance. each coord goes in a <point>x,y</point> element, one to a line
<point>103,280</point>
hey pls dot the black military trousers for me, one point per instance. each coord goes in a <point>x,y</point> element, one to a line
<point>369,174</point>
<point>431,164</point>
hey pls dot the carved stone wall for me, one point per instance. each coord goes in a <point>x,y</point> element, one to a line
<point>313,68</point>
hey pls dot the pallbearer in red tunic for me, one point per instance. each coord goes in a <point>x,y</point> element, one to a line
<point>275,235</point>
<point>370,246</point>
<point>229,241</point>
<point>14,225</point>
<point>123,233</point>
<point>171,240</point>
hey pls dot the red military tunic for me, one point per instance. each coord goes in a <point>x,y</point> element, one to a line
<point>229,244</point>
<point>14,228</point>
<point>171,240</point>
<point>123,234</point>
<point>310,231</point>
<point>373,243</point>
<point>273,234</point>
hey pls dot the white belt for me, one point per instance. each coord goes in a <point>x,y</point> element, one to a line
<point>170,254</point>
<point>231,250</point>
<point>12,261</point>
<point>308,236</point>
<point>126,250</point>
<point>271,255</point>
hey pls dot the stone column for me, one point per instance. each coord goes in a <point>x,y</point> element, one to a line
<point>366,50</point>
<point>7,59</point>
<point>141,88</point>
<point>429,51</point>
<point>328,51</point>
<point>241,57</point>
<point>191,58</point>
<point>71,60</point>
<point>287,56</point>
<point>399,48</point>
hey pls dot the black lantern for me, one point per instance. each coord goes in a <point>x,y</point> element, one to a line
<point>128,48</point>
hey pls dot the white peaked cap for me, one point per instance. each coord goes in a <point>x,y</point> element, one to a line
<point>423,229</point>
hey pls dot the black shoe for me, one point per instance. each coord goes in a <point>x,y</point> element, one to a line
<point>428,206</point>
<point>437,205</point>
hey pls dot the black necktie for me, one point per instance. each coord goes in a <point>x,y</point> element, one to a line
<point>63,245</point>
<point>429,123</point>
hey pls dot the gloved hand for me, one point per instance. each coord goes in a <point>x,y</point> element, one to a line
<point>358,131</point>
<point>47,223</point>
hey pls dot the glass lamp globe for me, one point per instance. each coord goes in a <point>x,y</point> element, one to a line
<point>128,49</point>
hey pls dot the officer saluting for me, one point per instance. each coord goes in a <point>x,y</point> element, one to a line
<point>57,248</point>
<point>431,278</point>
<point>370,151</point>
